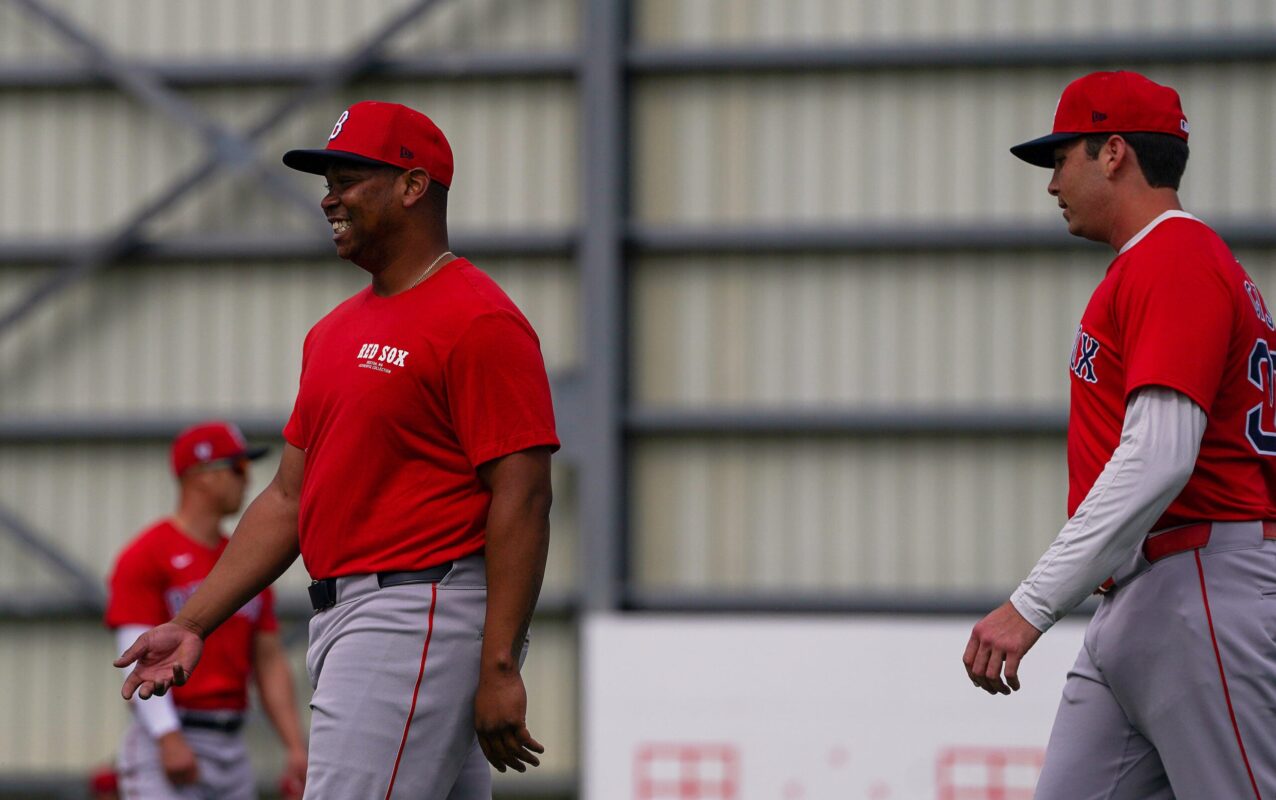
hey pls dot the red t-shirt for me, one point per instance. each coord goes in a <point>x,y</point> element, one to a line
<point>1178,310</point>
<point>153,577</point>
<point>401,399</point>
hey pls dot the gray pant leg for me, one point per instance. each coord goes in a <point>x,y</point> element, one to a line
<point>365,659</point>
<point>475,780</point>
<point>1094,752</point>
<point>225,772</point>
<point>1172,675</point>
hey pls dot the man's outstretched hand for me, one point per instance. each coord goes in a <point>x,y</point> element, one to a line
<point>165,656</point>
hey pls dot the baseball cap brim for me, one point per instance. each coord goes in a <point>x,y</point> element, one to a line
<point>1040,151</point>
<point>254,453</point>
<point>316,162</point>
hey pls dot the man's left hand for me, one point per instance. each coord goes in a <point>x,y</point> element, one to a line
<point>1002,637</point>
<point>500,718</point>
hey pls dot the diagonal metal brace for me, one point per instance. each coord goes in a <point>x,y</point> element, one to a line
<point>146,86</point>
<point>83,584</point>
<point>127,235</point>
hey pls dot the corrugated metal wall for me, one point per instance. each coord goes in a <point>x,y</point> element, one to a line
<point>189,338</point>
<point>922,331</point>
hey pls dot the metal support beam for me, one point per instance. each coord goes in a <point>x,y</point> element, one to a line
<point>124,239</point>
<point>700,423</point>
<point>603,106</point>
<point>682,61</point>
<point>806,58</point>
<point>242,73</point>
<point>276,247</point>
<point>82,584</point>
<point>822,602</point>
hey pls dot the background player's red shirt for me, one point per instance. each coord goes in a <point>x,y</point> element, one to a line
<point>1178,310</point>
<point>401,399</point>
<point>153,577</point>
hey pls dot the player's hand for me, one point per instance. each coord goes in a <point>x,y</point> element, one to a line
<point>165,656</point>
<point>1001,638</point>
<point>500,718</point>
<point>292,784</point>
<point>178,760</point>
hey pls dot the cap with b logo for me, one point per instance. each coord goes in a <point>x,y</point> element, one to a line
<point>208,442</point>
<point>376,133</point>
<point>1108,102</point>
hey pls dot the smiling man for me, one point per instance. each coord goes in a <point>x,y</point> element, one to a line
<point>415,484</point>
<point>1172,481</point>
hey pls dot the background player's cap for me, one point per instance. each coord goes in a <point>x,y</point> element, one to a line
<point>210,441</point>
<point>377,133</point>
<point>1108,102</point>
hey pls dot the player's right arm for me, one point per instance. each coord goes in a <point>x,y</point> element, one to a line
<point>264,545</point>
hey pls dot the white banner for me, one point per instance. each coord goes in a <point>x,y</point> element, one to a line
<point>801,708</point>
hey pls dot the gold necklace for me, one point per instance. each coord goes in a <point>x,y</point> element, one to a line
<point>430,268</point>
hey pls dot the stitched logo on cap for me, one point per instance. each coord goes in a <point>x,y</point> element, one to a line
<point>336,129</point>
<point>1097,116</point>
<point>204,451</point>
<point>404,152</point>
<point>1183,126</point>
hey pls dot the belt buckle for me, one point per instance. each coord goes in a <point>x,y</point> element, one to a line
<point>323,593</point>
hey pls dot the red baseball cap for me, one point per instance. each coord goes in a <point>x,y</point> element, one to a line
<point>376,133</point>
<point>1108,102</point>
<point>208,442</point>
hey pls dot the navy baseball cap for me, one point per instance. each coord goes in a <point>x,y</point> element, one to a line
<point>380,134</point>
<point>1107,102</point>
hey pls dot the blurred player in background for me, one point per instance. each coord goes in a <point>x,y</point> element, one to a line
<point>189,744</point>
<point>1172,471</point>
<point>415,485</point>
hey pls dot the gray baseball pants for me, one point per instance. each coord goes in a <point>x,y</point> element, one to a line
<point>225,772</point>
<point>394,672</point>
<point>1174,692</point>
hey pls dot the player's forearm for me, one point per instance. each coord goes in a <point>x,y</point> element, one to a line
<point>1159,445</point>
<point>263,546</point>
<point>516,552</point>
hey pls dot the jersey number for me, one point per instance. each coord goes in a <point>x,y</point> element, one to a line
<point>1262,371</point>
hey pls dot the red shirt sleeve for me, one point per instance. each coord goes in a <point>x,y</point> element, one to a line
<point>498,392</point>
<point>136,591</point>
<point>1175,315</point>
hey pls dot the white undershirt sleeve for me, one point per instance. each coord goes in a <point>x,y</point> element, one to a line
<point>1157,453</point>
<point>158,715</point>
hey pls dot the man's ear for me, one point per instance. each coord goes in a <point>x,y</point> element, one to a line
<point>415,182</point>
<point>1116,153</point>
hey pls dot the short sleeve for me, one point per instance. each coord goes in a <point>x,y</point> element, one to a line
<point>498,392</point>
<point>1175,315</point>
<point>136,591</point>
<point>294,432</point>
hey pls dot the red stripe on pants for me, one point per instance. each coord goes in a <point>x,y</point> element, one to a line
<point>1218,656</point>
<point>407,725</point>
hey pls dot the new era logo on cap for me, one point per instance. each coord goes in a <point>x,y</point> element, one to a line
<point>1108,102</point>
<point>373,132</point>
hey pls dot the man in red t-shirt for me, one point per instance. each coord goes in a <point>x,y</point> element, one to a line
<point>189,744</point>
<point>1172,480</point>
<point>414,484</point>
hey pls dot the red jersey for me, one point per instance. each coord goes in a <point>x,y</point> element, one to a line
<point>1176,309</point>
<point>153,577</point>
<point>402,398</point>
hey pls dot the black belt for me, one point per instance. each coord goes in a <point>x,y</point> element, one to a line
<point>226,724</point>
<point>323,592</point>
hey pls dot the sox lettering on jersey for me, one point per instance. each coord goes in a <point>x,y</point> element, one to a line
<point>381,357</point>
<point>1084,348</point>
